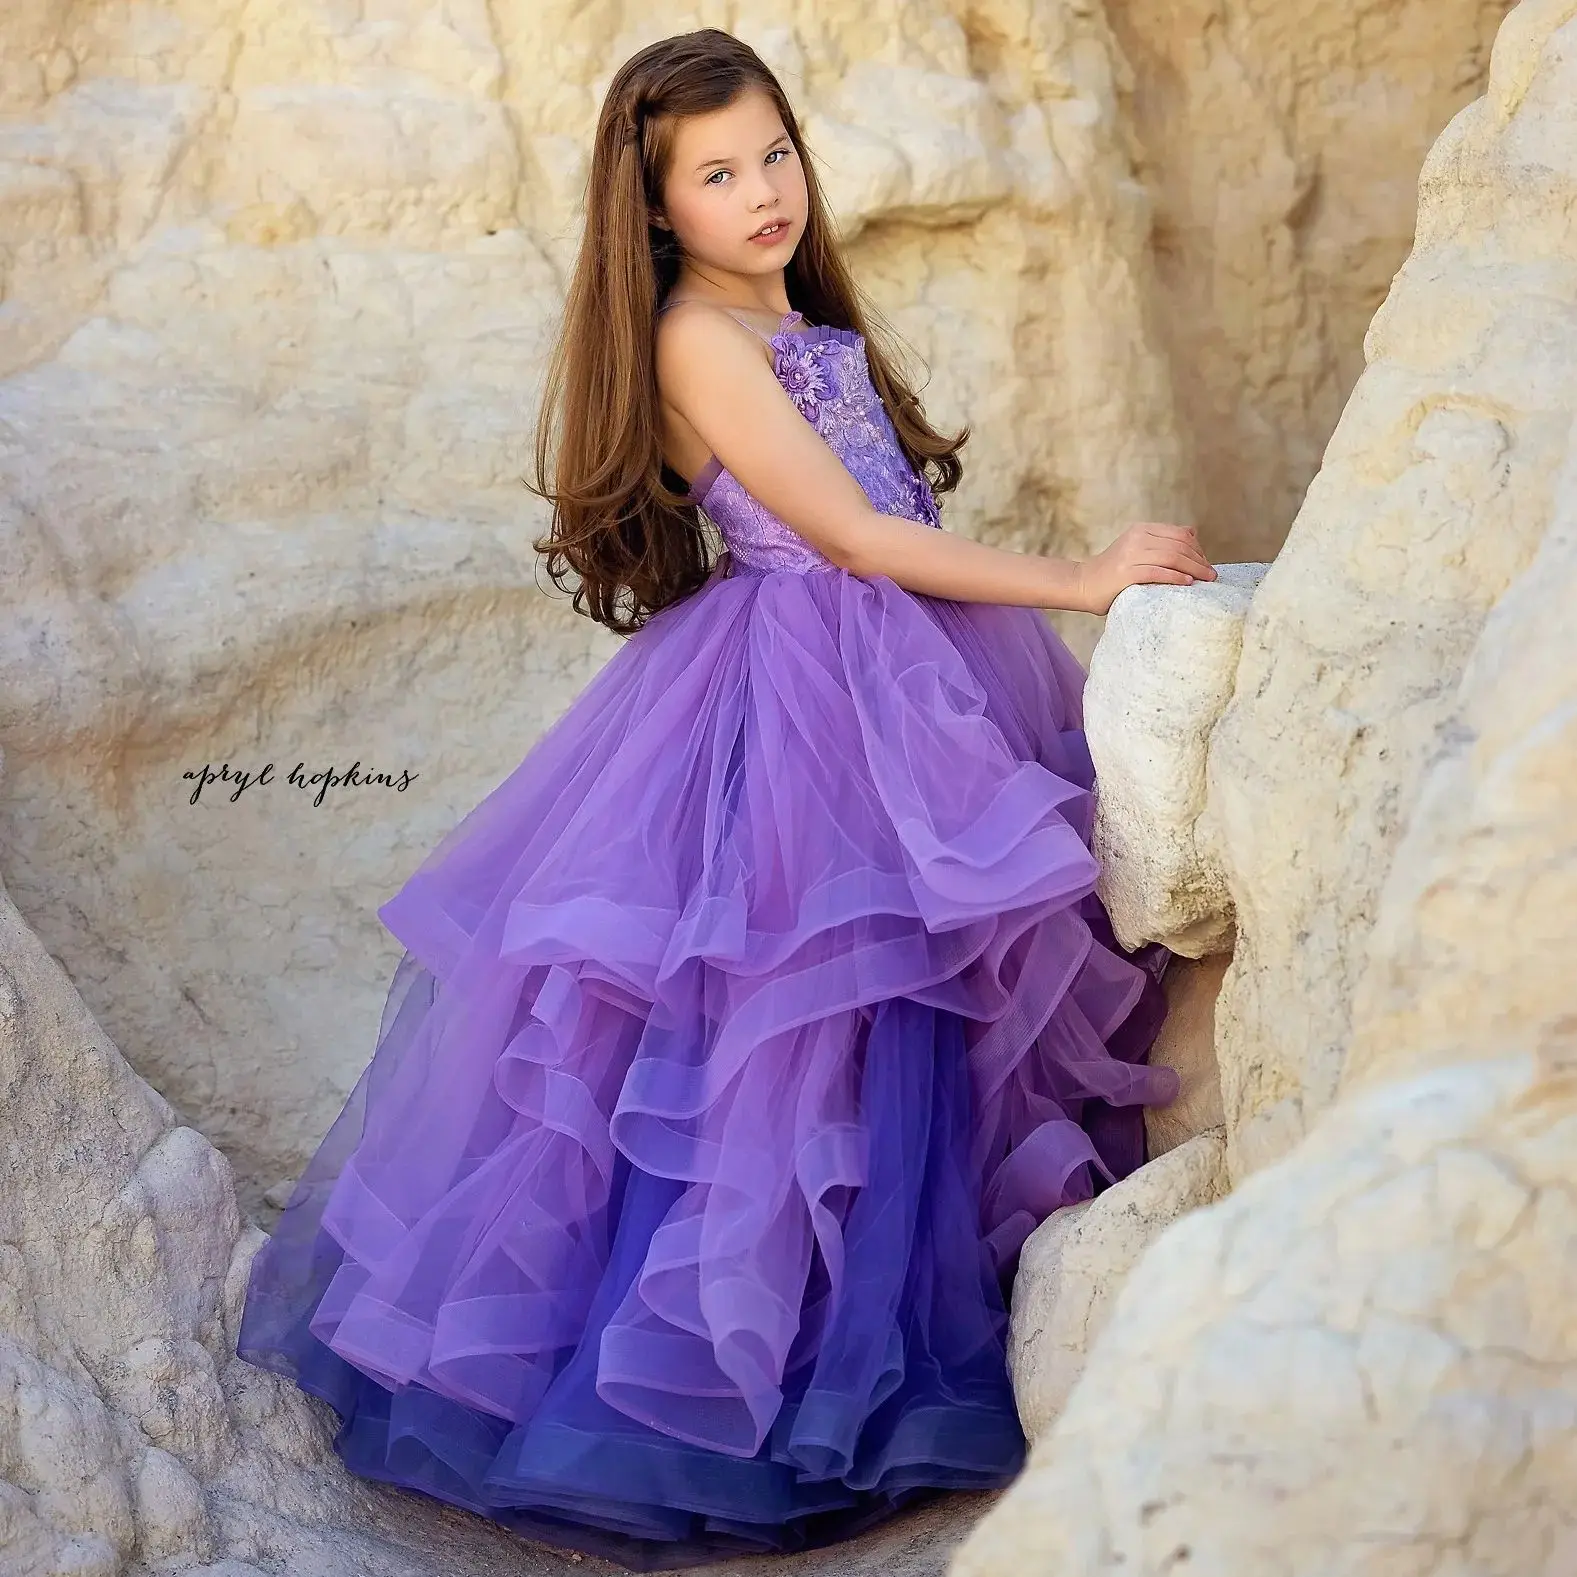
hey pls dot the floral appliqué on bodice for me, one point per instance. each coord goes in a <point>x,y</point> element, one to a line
<point>825,373</point>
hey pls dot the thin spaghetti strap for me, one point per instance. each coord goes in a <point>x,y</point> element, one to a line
<point>788,317</point>
<point>751,326</point>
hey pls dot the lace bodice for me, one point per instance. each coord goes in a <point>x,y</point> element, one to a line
<point>826,375</point>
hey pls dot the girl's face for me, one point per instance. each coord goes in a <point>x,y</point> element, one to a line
<point>730,174</point>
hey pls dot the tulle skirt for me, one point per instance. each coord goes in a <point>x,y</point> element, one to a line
<point>742,1035</point>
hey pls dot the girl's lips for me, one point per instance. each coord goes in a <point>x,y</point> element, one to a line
<point>772,235</point>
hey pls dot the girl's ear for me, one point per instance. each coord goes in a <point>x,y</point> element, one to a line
<point>655,216</point>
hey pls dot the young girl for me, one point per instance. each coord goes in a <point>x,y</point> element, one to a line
<point>747,1029</point>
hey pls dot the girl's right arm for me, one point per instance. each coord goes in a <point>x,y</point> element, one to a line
<point>713,372</point>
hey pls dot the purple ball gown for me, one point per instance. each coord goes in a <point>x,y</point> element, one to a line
<point>743,1034</point>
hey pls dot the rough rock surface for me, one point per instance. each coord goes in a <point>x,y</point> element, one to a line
<point>276,280</point>
<point>1436,490</point>
<point>1158,683</point>
<point>1282,139</point>
<point>1360,1362</point>
<point>1364,1360</point>
<point>1074,1265</point>
<point>1187,1044</point>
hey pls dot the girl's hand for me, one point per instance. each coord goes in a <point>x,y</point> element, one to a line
<point>1145,554</point>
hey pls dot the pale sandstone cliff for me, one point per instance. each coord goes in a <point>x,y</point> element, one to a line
<point>277,279</point>
<point>1282,140</point>
<point>1364,1361</point>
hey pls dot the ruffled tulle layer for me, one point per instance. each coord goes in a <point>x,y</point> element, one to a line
<point>743,1034</point>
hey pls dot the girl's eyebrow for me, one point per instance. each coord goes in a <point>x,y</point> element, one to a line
<point>707,164</point>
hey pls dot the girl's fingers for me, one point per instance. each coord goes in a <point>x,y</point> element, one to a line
<point>1168,553</point>
<point>1200,568</point>
<point>1174,573</point>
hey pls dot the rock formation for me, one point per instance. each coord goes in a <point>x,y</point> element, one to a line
<point>1271,133</point>
<point>1364,1359</point>
<point>276,280</point>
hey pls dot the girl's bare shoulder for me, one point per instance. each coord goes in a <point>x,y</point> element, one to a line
<point>693,335</point>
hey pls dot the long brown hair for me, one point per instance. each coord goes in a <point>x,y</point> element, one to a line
<point>621,522</point>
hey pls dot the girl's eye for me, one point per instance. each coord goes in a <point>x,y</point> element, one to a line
<point>777,153</point>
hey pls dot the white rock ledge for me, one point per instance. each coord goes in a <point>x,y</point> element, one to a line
<point>1075,1263</point>
<point>1160,677</point>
